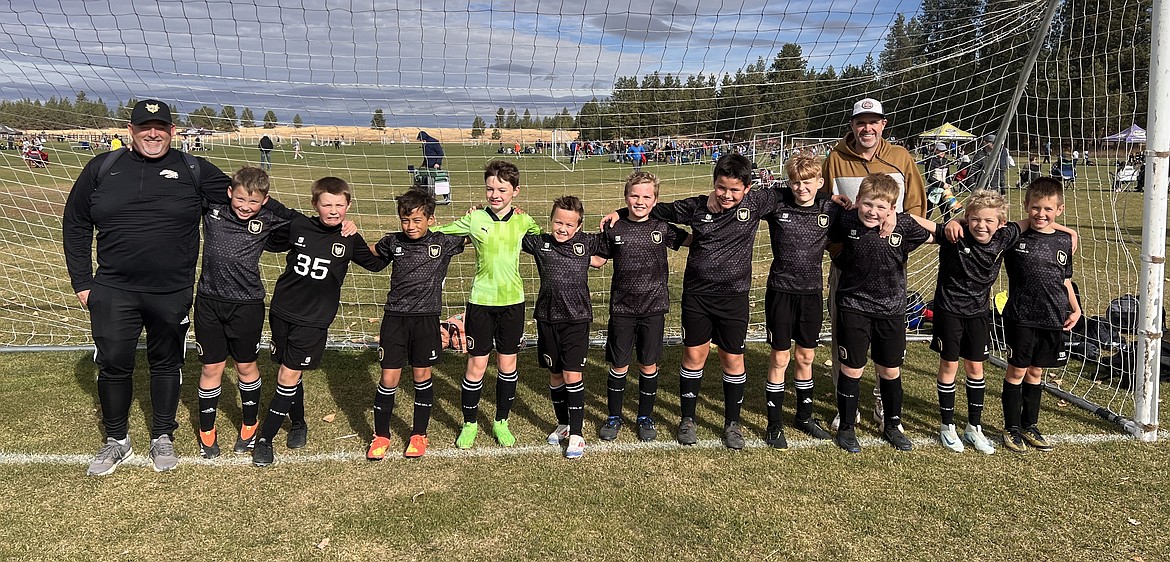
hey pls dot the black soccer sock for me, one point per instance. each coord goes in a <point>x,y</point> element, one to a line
<point>296,411</point>
<point>733,386</point>
<point>615,390</point>
<point>383,409</point>
<point>688,390</point>
<point>424,398</point>
<point>575,395</point>
<point>847,390</point>
<point>976,390</point>
<point>892,399</point>
<point>647,393</point>
<point>804,399</point>
<point>115,396</point>
<point>250,401</point>
<point>774,397</point>
<point>505,393</point>
<point>1013,400</point>
<point>277,411</point>
<point>208,406</point>
<point>1030,413</point>
<point>560,403</point>
<point>946,402</point>
<point>469,398</point>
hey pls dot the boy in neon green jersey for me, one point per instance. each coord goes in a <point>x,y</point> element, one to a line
<point>495,309</point>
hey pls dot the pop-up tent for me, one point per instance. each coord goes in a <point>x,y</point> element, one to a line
<point>1133,135</point>
<point>946,131</point>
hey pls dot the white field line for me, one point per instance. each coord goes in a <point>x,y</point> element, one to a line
<point>231,459</point>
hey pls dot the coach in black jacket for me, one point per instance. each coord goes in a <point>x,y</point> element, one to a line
<point>146,209</point>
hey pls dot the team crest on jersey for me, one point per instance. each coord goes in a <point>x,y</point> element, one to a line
<point>823,221</point>
<point>255,226</point>
<point>338,249</point>
<point>656,237</point>
<point>434,250</point>
<point>743,215</point>
<point>1061,257</point>
<point>579,249</point>
<point>895,239</point>
<point>398,251</point>
<point>617,240</point>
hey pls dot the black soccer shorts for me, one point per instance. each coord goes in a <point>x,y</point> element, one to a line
<point>1029,346</point>
<point>501,326</point>
<point>297,347</point>
<point>884,338</point>
<point>227,329</point>
<point>968,337</point>
<point>409,340</point>
<point>715,318</point>
<point>793,317</point>
<point>625,334</point>
<point>562,346</point>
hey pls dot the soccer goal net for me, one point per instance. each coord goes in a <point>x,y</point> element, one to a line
<point>346,91</point>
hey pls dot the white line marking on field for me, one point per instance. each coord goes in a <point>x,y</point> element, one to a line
<point>231,459</point>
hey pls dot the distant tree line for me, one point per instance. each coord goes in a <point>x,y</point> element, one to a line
<point>82,113</point>
<point>509,119</point>
<point>1094,66</point>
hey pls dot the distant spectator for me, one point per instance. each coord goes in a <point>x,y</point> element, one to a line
<point>266,152</point>
<point>432,151</point>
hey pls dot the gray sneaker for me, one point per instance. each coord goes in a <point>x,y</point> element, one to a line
<point>109,457</point>
<point>733,436</point>
<point>162,454</point>
<point>686,432</point>
<point>609,430</point>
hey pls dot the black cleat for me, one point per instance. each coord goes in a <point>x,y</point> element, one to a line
<point>298,436</point>
<point>897,438</point>
<point>262,453</point>
<point>811,427</point>
<point>847,439</point>
<point>775,437</point>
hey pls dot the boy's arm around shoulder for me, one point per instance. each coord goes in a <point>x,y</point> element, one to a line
<point>369,260</point>
<point>927,225</point>
<point>1072,233</point>
<point>460,226</point>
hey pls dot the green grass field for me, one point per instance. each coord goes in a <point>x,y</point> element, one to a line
<point>1098,496</point>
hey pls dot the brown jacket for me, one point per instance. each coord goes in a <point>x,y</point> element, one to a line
<point>844,169</point>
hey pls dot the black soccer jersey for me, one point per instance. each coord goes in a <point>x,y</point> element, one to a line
<point>231,253</point>
<point>1037,265</point>
<point>640,267</point>
<point>309,291</point>
<point>720,257</point>
<point>968,269</point>
<point>420,268</point>
<point>799,237</point>
<point>873,269</point>
<point>564,275</point>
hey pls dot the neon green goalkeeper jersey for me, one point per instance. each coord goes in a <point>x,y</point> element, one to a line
<point>497,254</point>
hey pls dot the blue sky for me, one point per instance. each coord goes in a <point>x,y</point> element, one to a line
<point>438,62</point>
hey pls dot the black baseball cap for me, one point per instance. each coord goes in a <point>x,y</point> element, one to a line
<point>150,110</point>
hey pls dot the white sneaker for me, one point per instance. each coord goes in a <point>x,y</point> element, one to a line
<point>974,435</point>
<point>576,447</point>
<point>950,438</point>
<point>559,434</point>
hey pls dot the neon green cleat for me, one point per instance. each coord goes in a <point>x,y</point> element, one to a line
<point>467,435</point>
<point>503,434</point>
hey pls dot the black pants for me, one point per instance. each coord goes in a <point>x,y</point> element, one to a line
<point>117,318</point>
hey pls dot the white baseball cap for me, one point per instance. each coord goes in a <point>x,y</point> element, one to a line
<point>868,105</point>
